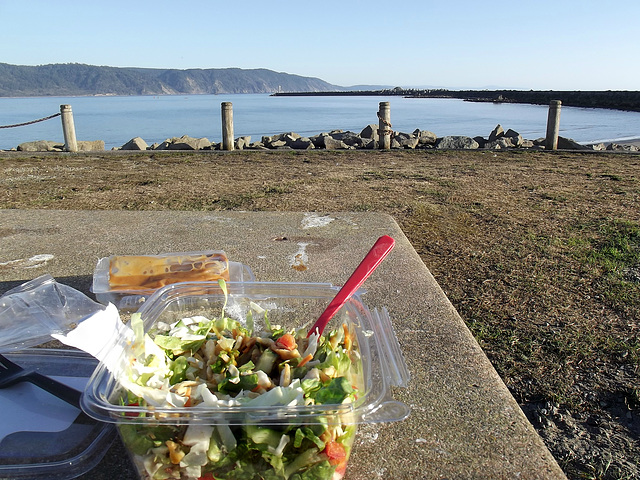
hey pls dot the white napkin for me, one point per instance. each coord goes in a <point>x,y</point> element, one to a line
<point>103,336</point>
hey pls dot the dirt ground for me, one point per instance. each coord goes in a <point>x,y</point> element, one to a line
<point>539,252</point>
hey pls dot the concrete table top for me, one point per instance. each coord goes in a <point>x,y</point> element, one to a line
<point>464,422</point>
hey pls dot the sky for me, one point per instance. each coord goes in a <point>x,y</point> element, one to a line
<point>454,44</point>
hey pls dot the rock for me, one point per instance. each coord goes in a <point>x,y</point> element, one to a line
<point>242,142</point>
<point>496,133</point>
<point>287,137</point>
<point>370,132</point>
<point>410,143</point>
<point>331,143</point>
<point>276,144</point>
<point>302,143</point>
<point>499,144</point>
<point>622,148</point>
<point>516,138</point>
<point>456,142</point>
<point>395,143</point>
<point>41,146</point>
<point>527,144</point>
<point>90,145</point>
<point>406,140</point>
<point>569,144</point>
<point>257,146</point>
<point>481,141</point>
<point>350,139</point>
<point>369,144</point>
<point>318,140</point>
<point>189,143</point>
<point>597,147</point>
<point>184,143</point>
<point>425,137</point>
<point>136,143</point>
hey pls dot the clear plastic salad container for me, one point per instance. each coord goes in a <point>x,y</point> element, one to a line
<point>223,382</point>
<point>128,280</point>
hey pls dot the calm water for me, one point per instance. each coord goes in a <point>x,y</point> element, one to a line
<point>118,119</point>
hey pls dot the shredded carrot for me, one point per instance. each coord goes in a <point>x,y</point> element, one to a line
<point>305,360</point>
<point>347,337</point>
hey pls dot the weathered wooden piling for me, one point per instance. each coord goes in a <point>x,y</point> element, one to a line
<point>553,125</point>
<point>68,129</point>
<point>384,126</point>
<point>227,126</point>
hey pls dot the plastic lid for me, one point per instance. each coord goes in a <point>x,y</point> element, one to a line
<point>42,437</point>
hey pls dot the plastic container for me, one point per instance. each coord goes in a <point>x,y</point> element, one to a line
<point>42,437</point>
<point>128,280</point>
<point>271,439</point>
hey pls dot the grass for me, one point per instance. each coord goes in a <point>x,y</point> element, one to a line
<point>539,253</point>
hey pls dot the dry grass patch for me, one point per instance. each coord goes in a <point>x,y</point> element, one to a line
<point>539,252</point>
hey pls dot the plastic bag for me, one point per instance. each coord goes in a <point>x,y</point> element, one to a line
<point>35,310</point>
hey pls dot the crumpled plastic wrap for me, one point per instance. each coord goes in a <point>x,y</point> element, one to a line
<point>40,309</point>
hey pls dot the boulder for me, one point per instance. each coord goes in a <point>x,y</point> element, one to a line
<point>350,139</point>
<point>496,133</point>
<point>90,145</point>
<point>136,143</point>
<point>369,144</point>
<point>302,143</point>
<point>515,137</point>
<point>481,141</point>
<point>597,146</point>
<point>499,144</point>
<point>616,147</point>
<point>406,140</point>
<point>425,137</point>
<point>318,140</point>
<point>370,132</point>
<point>570,144</point>
<point>184,143</point>
<point>242,142</point>
<point>257,146</point>
<point>189,143</point>
<point>456,142</point>
<point>331,143</point>
<point>41,146</point>
<point>287,137</point>
<point>276,144</point>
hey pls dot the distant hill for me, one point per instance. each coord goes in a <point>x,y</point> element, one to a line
<point>72,79</point>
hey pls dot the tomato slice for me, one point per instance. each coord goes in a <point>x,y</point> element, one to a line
<point>132,414</point>
<point>335,451</point>
<point>286,341</point>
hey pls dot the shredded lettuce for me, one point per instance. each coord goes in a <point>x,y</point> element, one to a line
<point>218,362</point>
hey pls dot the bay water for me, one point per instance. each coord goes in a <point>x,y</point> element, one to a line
<point>116,119</point>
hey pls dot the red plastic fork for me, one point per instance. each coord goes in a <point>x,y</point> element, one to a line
<point>368,264</point>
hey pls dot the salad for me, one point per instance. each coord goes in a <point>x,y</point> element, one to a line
<point>198,362</point>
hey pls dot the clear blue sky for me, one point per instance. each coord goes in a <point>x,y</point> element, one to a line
<point>549,45</point>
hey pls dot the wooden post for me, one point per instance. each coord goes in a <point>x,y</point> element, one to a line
<point>227,126</point>
<point>384,126</point>
<point>553,125</point>
<point>68,129</point>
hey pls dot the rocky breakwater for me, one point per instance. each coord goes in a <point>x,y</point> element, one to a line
<point>367,139</point>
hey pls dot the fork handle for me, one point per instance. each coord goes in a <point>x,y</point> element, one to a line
<point>54,387</point>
